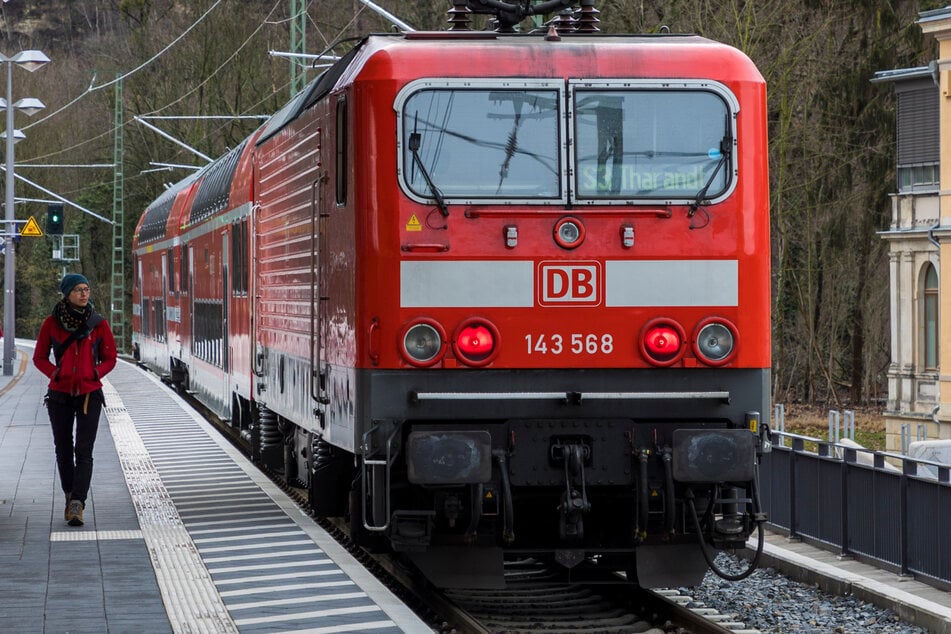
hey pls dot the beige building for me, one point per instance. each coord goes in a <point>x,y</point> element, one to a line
<point>919,238</point>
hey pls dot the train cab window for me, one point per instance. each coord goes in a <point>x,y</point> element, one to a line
<point>476,140</point>
<point>341,159</point>
<point>647,141</point>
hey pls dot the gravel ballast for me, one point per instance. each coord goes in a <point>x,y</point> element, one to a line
<point>770,602</point>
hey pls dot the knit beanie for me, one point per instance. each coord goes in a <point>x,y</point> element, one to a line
<point>71,281</point>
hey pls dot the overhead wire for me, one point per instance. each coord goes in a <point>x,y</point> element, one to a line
<point>222,65</point>
<point>131,72</point>
<point>128,124</point>
<point>267,21</point>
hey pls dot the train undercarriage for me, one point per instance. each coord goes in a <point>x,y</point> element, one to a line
<point>586,495</point>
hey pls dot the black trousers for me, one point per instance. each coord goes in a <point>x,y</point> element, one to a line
<point>74,459</point>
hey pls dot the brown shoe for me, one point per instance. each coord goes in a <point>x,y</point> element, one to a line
<point>75,513</point>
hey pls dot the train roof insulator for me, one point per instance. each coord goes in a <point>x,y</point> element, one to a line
<point>715,341</point>
<point>476,342</point>
<point>662,342</point>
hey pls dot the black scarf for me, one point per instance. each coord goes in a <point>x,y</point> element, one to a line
<point>72,317</point>
<point>75,321</point>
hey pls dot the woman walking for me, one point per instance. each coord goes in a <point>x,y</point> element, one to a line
<point>84,351</point>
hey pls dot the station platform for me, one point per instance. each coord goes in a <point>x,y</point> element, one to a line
<point>181,533</point>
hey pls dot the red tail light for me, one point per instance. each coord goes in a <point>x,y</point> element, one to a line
<point>476,342</point>
<point>662,342</point>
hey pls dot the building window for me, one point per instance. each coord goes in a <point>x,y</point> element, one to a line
<point>918,177</point>
<point>917,122</point>
<point>929,315</point>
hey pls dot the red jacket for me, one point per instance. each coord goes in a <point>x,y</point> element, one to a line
<point>83,363</point>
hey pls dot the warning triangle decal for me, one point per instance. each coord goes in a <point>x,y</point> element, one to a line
<point>31,229</point>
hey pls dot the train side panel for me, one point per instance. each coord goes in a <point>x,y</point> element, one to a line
<point>289,188</point>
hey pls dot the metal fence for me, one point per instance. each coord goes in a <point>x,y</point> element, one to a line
<point>886,509</point>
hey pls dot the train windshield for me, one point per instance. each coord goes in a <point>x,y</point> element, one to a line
<point>667,143</point>
<point>584,142</point>
<point>482,143</point>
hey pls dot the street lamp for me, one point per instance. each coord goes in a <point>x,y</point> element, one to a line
<point>31,61</point>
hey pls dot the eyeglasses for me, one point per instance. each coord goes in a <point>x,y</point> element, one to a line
<point>82,290</point>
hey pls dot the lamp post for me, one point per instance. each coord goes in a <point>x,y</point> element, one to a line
<point>31,61</point>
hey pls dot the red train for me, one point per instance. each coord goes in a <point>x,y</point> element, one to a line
<point>489,294</point>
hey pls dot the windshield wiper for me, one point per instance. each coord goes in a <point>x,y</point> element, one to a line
<point>725,150</point>
<point>415,139</point>
<point>511,145</point>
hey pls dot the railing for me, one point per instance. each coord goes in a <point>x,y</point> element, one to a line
<point>887,509</point>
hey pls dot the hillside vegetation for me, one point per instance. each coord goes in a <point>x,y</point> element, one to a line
<point>831,137</point>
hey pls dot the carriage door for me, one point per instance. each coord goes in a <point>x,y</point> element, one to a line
<point>143,300</point>
<point>161,311</point>
<point>318,289</point>
<point>318,298</point>
<point>191,302</point>
<point>225,313</point>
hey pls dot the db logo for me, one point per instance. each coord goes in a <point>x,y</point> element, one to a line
<point>569,283</point>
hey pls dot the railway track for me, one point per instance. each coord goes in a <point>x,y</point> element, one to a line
<point>536,599</point>
<point>531,604</point>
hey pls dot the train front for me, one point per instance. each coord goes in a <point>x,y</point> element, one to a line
<point>564,291</point>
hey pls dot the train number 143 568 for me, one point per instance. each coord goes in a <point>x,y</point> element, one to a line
<point>575,343</point>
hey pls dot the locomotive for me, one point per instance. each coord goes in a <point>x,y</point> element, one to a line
<point>489,294</point>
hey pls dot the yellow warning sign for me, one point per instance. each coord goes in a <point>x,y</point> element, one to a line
<point>413,224</point>
<point>31,229</point>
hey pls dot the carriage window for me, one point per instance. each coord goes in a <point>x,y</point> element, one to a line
<point>170,258</point>
<point>651,143</point>
<point>473,143</point>
<point>239,254</point>
<point>183,269</point>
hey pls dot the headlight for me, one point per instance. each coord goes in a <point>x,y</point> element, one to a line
<point>422,343</point>
<point>569,233</point>
<point>715,341</point>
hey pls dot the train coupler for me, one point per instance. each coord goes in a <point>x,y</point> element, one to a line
<point>574,501</point>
